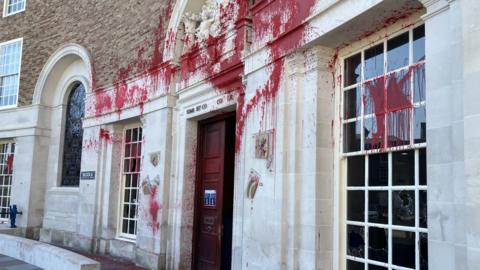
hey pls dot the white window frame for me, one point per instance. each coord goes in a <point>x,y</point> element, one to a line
<point>11,142</point>
<point>19,71</point>
<point>362,152</point>
<point>120,234</point>
<point>5,8</point>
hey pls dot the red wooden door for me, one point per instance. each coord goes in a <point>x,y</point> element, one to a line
<point>209,203</point>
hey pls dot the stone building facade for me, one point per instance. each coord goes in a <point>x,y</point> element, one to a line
<point>266,134</point>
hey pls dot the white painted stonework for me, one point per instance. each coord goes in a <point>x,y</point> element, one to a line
<point>297,217</point>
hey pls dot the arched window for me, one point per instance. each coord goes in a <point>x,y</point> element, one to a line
<point>72,144</point>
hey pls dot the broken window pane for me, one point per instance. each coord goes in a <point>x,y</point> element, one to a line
<point>403,168</point>
<point>353,265</point>
<point>420,125</point>
<point>374,132</point>
<point>398,90</point>
<point>352,103</point>
<point>378,244</point>
<point>353,70</point>
<point>419,44</point>
<point>423,166</point>
<point>374,96</point>
<point>398,127</point>
<point>374,62</point>
<point>351,136</point>
<point>356,241</point>
<point>403,207</point>
<point>403,248</point>
<point>423,251</point>
<point>423,208</point>
<point>356,171</point>
<point>356,205</point>
<point>419,83</point>
<point>378,207</point>
<point>397,52</point>
<point>378,170</point>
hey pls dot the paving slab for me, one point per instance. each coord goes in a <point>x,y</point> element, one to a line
<point>9,263</point>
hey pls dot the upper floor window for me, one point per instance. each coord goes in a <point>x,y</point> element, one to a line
<point>10,61</point>
<point>13,6</point>
<point>72,145</point>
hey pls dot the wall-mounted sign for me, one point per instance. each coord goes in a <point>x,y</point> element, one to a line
<point>90,175</point>
<point>210,197</point>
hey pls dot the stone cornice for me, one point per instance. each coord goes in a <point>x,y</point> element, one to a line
<point>435,7</point>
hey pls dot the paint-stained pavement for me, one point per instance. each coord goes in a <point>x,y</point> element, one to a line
<point>110,262</point>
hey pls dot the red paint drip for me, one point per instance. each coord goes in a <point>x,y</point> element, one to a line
<point>9,163</point>
<point>105,135</point>
<point>153,207</point>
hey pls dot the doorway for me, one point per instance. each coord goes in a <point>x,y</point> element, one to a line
<point>212,241</point>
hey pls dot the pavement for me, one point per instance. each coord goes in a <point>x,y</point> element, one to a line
<point>110,262</point>
<point>8,263</point>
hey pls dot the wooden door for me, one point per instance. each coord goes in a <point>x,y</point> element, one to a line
<point>214,174</point>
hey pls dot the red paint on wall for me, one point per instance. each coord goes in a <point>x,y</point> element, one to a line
<point>152,74</point>
<point>105,135</point>
<point>153,208</point>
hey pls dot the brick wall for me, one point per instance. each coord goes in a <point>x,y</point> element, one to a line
<point>113,31</point>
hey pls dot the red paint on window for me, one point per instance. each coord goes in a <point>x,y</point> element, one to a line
<point>9,163</point>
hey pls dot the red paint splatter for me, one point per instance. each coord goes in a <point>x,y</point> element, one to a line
<point>389,98</point>
<point>105,135</point>
<point>153,207</point>
<point>9,167</point>
<point>138,81</point>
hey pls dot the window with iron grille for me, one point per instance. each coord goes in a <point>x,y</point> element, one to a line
<point>10,62</point>
<point>7,150</point>
<point>384,144</point>
<point>132,158</point>
<point>72,144</point>
<point>11,7</point>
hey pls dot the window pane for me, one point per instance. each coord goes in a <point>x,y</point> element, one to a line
<point>423,166</point>
<point>374,132</point>
<point>420,125</point>
<point>403,168</point>
<point>356,205</point>
<point>378,244</point>
<point>423,251</point>
<point>352,136</point>
<point>419,43</point>
<point>398,127</point>
<point>374,62</point>
<point>398,90</point>
<point>374,96</point>
<point>356,171</point>
<point>403,208</point>
<point>352,103</point>
<point>423,208</point>
<point>397,54</point>
<point>352,69</point>
<point>378,170</point>
<point>353,265</point>
<point>378,207</point>
<point>403,248</point>
<point>419,83</point>
<point>356,241</point>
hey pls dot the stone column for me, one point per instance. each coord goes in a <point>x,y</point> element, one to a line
<point>28,186</point>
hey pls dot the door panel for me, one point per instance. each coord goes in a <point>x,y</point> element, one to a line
<point>210,196</point>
